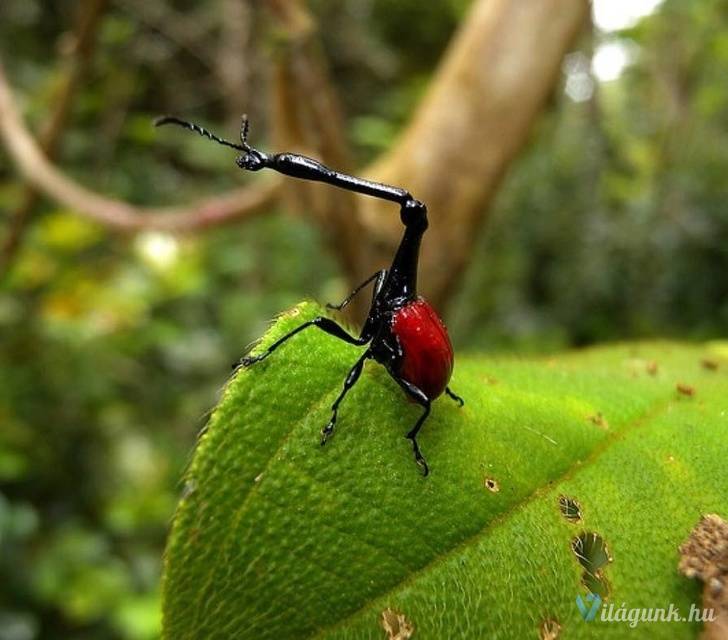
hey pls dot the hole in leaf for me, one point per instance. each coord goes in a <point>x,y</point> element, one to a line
<point>396,625</point>
<point>591,551</point>
<point>491,484</point>
<point>709,364</point>
<point>596,583</point>
<point>599,420</point>
<point>685,389</point>
<point>549,630</point>
<point>570,508</point>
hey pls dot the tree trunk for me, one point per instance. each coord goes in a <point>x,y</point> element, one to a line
<point>491,84</point>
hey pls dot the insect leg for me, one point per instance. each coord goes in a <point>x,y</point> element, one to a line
<point>325,324</point>
<point>454,396</point>
<point>379,276</point>
<point>350,381</point>
<point>418,396</point>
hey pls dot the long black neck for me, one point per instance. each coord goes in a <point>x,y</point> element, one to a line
<point>401,281</point>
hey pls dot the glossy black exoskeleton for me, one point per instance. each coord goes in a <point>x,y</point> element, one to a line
<point>401,331</point>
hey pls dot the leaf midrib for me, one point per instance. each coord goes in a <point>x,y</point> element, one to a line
<point>656,409</point>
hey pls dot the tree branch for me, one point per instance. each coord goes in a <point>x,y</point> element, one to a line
<point>77,58</point>
<point>491,84</point>
<point>498,71</point>
<point>307,118</point>
<point>494,79</point>
<point>36,169</point>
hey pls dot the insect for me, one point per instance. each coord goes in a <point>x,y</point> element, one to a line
<point>401,331</point>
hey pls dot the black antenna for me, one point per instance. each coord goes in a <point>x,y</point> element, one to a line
<point>244,128</point>
<point>208,134</point>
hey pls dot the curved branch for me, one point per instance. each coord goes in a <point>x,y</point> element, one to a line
<point>38,170</point>
<point>75,62</point>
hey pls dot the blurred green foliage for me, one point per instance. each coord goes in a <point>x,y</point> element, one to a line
<point>611,225</point>
<point>277,537</point>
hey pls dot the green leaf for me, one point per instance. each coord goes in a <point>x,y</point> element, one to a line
<point>594,451</point>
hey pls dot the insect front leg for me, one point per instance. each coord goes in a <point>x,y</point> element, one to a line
<point>420,398</point>
<point>325,324</point>
<point>349,382</point>
<point>379,276</point>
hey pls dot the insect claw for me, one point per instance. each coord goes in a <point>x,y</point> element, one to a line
<point>247,361</point>
<point>455,397</point>
<point>421,463</point>
<point>419,458</point>
<point>326,432</point>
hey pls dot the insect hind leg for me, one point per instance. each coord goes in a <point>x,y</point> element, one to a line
<point>454,396</point>
<point>349,382</point>
<point>420,398</point>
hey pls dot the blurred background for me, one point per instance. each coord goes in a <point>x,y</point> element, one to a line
<point>599,216</point>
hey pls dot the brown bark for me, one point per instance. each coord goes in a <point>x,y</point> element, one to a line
<point>42,174</point>
<point>307,119</point>
<point>233,59</point>
<point>497,73</point>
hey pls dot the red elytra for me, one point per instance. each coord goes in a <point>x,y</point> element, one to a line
<point>427,359</point>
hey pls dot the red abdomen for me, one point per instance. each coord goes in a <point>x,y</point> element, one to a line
<point>427,352</point>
